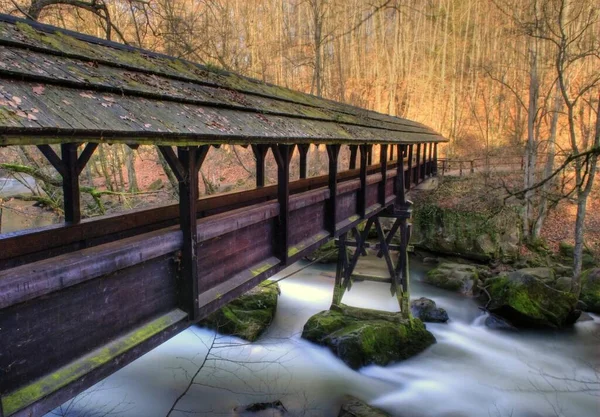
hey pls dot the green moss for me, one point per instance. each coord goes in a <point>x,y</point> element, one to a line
<point>247,316</point>
<point>527,301</point>
<point>362,337</point>
<point>590,289</point>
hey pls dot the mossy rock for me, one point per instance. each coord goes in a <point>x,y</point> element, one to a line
<point>453,276</point>
<point>566,251</point>
<point>328,253</point>
<point>247,316</point>
<point>526,299</point>
<point>466,233</point>
<point>426,310</point>
<point>590,289</point>
<point>362,337</point>
<point>353,407</point>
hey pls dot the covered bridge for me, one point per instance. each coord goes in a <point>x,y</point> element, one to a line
<point>82,299</point>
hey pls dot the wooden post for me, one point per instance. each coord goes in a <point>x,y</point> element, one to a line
<point>370,155</point>
<point>425,168</point>
<point>188,195</point>
<point>283,156</point>
<point>392,147</point>
<point>400,180</point>
<point>435,159</point>
<point>362,193</point>
<point>333,151</point>
<point>303,149</point>
<point>383,159</point>
<point>72,202</point>
<point>69,166</point>
<point>417,171</point>
<point>260,152</point>
<point>353,155</point>
<point>186,165</point>
<point>409,168</point>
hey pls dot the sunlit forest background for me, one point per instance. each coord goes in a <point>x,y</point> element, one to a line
<point>461,67</point>
<point>504,80</point>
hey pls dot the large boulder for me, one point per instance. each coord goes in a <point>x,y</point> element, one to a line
<point>466,232</point>
<point>426,310</point>
<point>328,253</point>
<point>363,337</point>
<point>353,407</point>
<point>590,289</point>
<point>247,316</point>
<point>455,277</point>
<point>526,299</point>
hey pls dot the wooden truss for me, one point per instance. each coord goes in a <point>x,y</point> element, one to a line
<point>398,272</point>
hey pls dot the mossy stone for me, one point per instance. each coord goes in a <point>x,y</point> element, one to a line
<point>525,300</point>
<point>362,337</point>
<point>453,276</point>
<point>247,316</point>
<point>590,289</point>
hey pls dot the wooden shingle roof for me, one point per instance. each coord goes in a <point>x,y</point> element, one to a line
<point>58,86</point>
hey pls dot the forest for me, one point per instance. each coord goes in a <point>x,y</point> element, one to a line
<point>504,80</point>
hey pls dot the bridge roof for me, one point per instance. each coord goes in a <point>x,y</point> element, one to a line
<point>58,85</point>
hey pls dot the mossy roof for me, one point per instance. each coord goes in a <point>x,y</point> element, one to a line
<point>58,85</point>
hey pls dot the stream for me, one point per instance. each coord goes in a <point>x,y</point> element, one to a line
<point>472,371</point>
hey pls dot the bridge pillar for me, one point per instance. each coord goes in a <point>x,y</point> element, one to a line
<point>260,152</point>
<point>417,170</point>
<point>362,194</point>
<point>435,159</point>
<point>283,156</point>
<point>70,166</point>
<point>333,151</point>
<point>383,160</point>
<point>186,166</point>
<point>409,168</point>
<point>353,155</point>
<point>303,150</point>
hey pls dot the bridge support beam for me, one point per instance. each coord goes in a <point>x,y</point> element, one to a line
<point>333,152</point>
<point>186,166</point>
<point>398,274</point>
<point>70,166</point>
<point>409,168</point>
<point>303,151</point>
<point>417,169</point>
<point>283,156</point>
<point>435,159</point>
<point>260,152</point>
<point>353,155</point>
<point>383,160</point>
<point>362,193</point>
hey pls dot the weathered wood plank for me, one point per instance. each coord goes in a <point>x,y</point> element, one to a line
<point>57,387</point>
<point>71,322</point>
<point>29,281</point>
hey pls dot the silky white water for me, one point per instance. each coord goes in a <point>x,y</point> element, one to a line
<point>471,371</point>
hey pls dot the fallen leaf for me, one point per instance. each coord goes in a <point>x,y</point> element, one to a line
<point>112,100</point>
<point>31,117</point>
<point>38,89</point>
<point>67,102</point>
<point>21,113</point>
<point>106,104</point>
<point>17,100</point>
<point>147,125</point>
<point>86,95</point>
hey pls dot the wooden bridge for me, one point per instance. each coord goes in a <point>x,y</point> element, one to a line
<point>80,300</point>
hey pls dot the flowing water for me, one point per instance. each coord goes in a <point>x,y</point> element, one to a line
<point>471,371</point>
